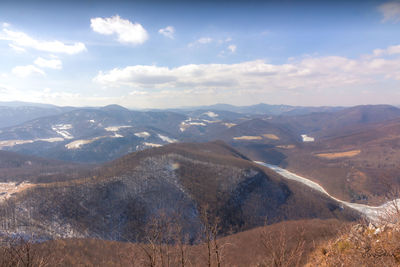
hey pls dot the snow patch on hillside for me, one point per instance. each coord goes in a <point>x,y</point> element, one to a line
<point>77,144</point>
<point>208,121</point>
<point>50,140</point>
<point>229,125</point>
<point>8,189</point>
<point>197,123</point>
<point>210,114</point>
<point>167,139</point>
<point>143,134</point>
<point>247,137</point>
<point>189,122</point>
<point>151,144</point>
<point>307,138</point>
<point>116,128</point>
<point>11,143</point>
<point>61,129</point>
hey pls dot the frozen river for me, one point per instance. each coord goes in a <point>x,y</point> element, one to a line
<point>373,213</point>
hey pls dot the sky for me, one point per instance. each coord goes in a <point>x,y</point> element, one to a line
<point>165,54</point>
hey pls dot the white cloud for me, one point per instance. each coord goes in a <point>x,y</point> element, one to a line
<point>25,71</point>
<point>168,32</point>
<point>205,40</point>
<point>308,73</point>
<point>20,39</point>
<point>6,25</point>
<point>232,48</point>
<point>49,63</point>
<point>127,32</point>
<point>390,11</point>
<point>391,50</point>
<point>201,41</point>
<point>17,48</point>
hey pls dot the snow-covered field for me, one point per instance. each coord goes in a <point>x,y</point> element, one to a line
<point>8,189</point>
<point>142,134</point>
<point>373,213</point>
<point>116,128</point>
<point>229,125</point>
<point>61,129</point>
<point>211,114</point>
<point>189,122</point>
<point>167,139</point>
<point>247,137</point>
<point>11,143</point>
<point>307,138</point>
<point>151,144</point>
<point>78,143</point>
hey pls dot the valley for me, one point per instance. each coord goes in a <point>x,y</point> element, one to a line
<point>200,133</point>
<point>345,159</point>
<point>108,173</point>
<point>372,213</point>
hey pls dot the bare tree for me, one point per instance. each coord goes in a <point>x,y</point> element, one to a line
<point>211,230</point>
<point>279,253</point>
<point>165,243</point>
<point>19,251</point>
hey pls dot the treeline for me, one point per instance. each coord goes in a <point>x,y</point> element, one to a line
<point>164,244</point>
<point>286,244</point>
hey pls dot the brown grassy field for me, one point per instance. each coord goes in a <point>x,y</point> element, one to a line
<point>271,136</point>
<point>247,137</point>
<point>335,155</point>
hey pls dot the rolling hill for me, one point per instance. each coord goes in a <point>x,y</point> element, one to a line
<point>178,180</point>
<point>19,168</point>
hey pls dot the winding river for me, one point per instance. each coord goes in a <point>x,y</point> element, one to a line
<point>372,213</point>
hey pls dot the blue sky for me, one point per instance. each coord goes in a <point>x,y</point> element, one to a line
<point>158,54</point>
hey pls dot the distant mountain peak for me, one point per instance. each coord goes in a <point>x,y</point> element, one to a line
<point>114,107</point>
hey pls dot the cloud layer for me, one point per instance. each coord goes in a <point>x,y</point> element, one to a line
<point>308,73</point>
<point>126,31</point>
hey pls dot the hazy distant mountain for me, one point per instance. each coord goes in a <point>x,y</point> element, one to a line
<point>14,113</point>
<point>324,124</point>
<point>25,104</point>
<point>265,109</point>
<point>106,133</point>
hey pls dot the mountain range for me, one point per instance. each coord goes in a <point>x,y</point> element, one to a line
<point>107,172</point>
<point>119,198</point>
